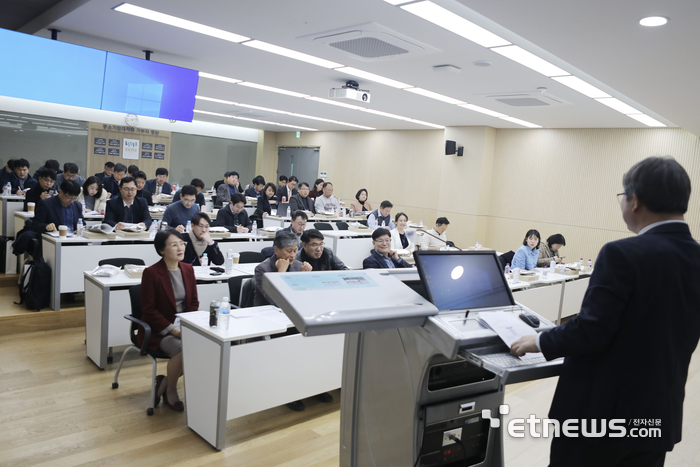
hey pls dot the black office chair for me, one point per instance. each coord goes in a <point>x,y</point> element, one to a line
<point>215,201</point>
<point>268,251</point>
<point>323,226</point>
<point>120,262</point>
<point>251,257</point>
<point>506,258</point>
<point>217,184</point>
<point>135,318</point>
<point>363,222</point>
<point>342,225</point>
<point>235,284</point>
<point>248,293</point>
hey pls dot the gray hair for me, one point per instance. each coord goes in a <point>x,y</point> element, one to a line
<point>285,239</point>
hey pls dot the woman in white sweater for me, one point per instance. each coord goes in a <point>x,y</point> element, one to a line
<point>94,195</point>
<point>399,237</point>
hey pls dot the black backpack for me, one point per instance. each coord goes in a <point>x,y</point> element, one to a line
<point>35,286</point>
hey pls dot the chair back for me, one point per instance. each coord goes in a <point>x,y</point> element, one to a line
<point>323,226</point>
<point>135,298</point>
<point>248,293</point>
<point>342,225</point>
<point>120,262</point>
<point>251,257</point>
<point>234,289</point>
<point>506,258</point>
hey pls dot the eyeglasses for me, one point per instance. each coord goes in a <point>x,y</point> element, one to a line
<point>203,227</point>
<point>619,197</point>
<point>178,244</point>
<point>71,198</point>
<point>387,240</point>
<point>130,190</point>
<point>316,245</point>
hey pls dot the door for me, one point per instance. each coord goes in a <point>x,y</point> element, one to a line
<point>301,162</point>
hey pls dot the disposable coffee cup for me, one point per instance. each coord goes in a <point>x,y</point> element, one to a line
<point>62,231</point>
<point>516,274</point>
<point>30,207</point>
<point>236,257</point>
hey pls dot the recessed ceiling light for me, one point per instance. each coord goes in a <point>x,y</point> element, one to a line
<point>444,18</point>
<point>289,53</point>
<point>434,95</point>
<point>530,60</point>
<point>482,110</point>
<point>372,77</point>
<point>577,84</point>
<point>653,21</point>
<point>647,120</point>
<point>273,89</point>
<point>520,122</point>
<point>219,78</point>
<point>158,17</point>
<point>617,104</point>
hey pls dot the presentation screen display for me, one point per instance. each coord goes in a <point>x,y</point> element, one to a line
<point>142,87</point>
<point>50,71</point>
<point>463,280</point>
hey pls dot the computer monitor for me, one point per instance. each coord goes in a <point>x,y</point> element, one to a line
<point>459,280</point>
<point>282,209</point>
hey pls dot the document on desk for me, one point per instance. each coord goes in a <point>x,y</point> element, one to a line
<point>270,313</point>
<point>509,328</point>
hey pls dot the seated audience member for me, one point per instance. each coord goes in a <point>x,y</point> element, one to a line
<point>7,172</point>
<point>94,195</point>
<point>199,242</point>
<point>21,180</point>
<point>264,207</point>
<point>318,189</point>
<point>167,287</point>
<point>429,242</point>
<point>527,254</point>
<point>44,188</point>
<point>199,185</point>
<point>399,239</point>
<point>382,256</point>
<point>326,202</point>
<point>179,212</point>
<point>285,193</point>
<point>234,217</point>
<point>108,171</point>
<point>283,259</point>
<point>313,251</point>
<point>361,205</point>
<point>282,182</point>
<point>255,191</point>
<point>550,250</point>
<point>159,185</point>
<point>301,200</point>
<point>70,172</point>
<point>49,164</point>
<point>381,217</point>
<point>297,226</point>
<point>228,189</point>
<point>59,210</point>
<point>127,208</point>
<point>113,183</point>
<point>133,170</point>
<point>142,192</point>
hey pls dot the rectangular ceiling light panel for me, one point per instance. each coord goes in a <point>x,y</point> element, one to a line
<point>372,77</point>
<point>577,84</point>
<point>530,60</point>
<point>617,104</point>
<point>289,53</point>
<point>434,95</point>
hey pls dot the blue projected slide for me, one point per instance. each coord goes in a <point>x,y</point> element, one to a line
<point>148,88</point>
<point>50,71</point>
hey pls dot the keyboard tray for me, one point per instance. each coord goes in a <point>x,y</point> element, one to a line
<point>497,359</point>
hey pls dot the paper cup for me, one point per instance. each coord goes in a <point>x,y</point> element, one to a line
<point>516,274</point>
<point>62,230</point>
<point>236,257</point>
<point>30,207</point>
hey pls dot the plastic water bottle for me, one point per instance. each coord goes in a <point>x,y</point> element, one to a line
<point>581,262</point>
<point>383,223</point>
<point>80,227</point>
<point>7,189</point>
<point>228,264</point>
<point>544,272</point>
<point>289,211</point>
<point>421,222</point>
<point>255,228</point>
<point>163,226</point>
<point>477,246</point>
<point>507,270</point>
<point>188,229</point>
<point>553,264</point>
<point>224,314</point>
<point>205,260</point>
<point>590,263</point>
<point>82,205</point>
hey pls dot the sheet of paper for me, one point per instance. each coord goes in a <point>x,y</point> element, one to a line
<point>269,313</point>
<point>509,328</point>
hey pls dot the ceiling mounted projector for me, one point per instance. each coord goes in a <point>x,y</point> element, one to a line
<point>350,91</point>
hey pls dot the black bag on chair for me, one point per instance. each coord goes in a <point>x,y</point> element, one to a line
<point>35,286</point>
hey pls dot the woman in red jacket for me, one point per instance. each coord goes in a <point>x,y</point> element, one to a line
<point>168,287</point>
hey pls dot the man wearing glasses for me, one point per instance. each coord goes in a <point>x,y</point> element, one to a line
<point>127,208</point>
<point>383,257</point>
<point>59,210</point>
<point>199,242</point>
<point>313,251</point>
<point>297,226</point>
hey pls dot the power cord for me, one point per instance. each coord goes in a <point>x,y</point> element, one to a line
<point>464,451</point>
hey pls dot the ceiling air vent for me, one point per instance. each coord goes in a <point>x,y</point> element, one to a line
<point>369,42</point>
<point>528,99</point>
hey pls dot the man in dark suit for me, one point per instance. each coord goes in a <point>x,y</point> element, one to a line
<point>234,217</point>
<point>627,352</point>
<point>127,208</point>
<point>301,200</point>
<point>109,170</point>
<point>288,190</point>
<point>142,192</point>
<point>112,184</point>
<point>59,210</point>
<point>159,185</point>
<point>382,256</point>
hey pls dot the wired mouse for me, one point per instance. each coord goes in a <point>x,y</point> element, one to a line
<point>531,320</point>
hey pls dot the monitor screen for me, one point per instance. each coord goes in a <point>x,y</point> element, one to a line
<point>142,87</point>
<point>463,279</point>
<point>50,71</point>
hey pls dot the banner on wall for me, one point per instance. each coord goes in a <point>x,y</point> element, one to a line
<point>130,149</point>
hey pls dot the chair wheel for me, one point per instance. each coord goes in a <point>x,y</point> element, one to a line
<point>110,360</point>
<point>115,385</point>
<point>149,411</point>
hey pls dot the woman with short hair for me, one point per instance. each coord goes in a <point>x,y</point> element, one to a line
<point>361,205</point>
<point>527,254</point>
<point>550,250</point>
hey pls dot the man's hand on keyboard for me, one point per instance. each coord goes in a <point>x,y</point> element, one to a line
<point>526,344</point>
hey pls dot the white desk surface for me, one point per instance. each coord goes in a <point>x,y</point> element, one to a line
<point>239,328</point>
<point>12,197</point>
<point>121,279</point>
<point>30,215</point>
<point>79,240</point>
<point>345,233</point>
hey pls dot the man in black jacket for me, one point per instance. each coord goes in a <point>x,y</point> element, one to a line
<point>301,200</point>
<point>627,352</point>
<point>127,208</point>
<point>233,216</point>
<point>314,252</point>
<point>59,210</point>
<point>44,189</point>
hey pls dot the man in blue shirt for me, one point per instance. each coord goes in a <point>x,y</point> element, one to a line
<point>179,212</point>
<point>381,217</point>
<point>59,210</point>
